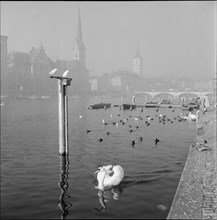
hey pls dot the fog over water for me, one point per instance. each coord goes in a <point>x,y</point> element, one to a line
<point>175,38</point>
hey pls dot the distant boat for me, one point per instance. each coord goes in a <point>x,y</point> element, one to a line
<point>128,106</point>
<point>190,105</point>
<point>99,105</point>
<point>162,103</point>
<point>2,103</point>
<point>152,104</point>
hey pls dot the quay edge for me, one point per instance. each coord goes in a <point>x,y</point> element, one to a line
<point>196,194</point>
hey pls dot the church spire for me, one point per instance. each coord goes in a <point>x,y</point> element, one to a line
<point>79,48</point>
<point>79,30</point>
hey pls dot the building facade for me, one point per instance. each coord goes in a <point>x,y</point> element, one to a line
<point>40,66</point>
<point>18,73</point>
<point>28,73</point>
<point>4,65</point>
<point>125,82</point>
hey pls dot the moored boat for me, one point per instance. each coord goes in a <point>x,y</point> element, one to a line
<point>99,105</point>
<point>151,104</point>
<point>190,105</point>
<point>128,106</point>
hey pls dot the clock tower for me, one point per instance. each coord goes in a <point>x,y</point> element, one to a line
<point>137,63</point>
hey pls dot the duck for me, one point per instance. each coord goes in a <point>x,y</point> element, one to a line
<point>133,142</point>
<point>156,141</point>
<point>109,176</point>
<point>100,140</point>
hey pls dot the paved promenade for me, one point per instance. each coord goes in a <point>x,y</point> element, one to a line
<point>196,195</point>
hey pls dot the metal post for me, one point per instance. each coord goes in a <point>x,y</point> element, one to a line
<point>121,100</point>
<point>133,99</point>
<point>63,82</point>
<point>66,119</point>
<point>61,108</point>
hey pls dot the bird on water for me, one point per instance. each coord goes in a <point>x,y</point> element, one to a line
<point>109,176</point>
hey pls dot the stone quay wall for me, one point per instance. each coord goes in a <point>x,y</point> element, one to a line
<point>196,195</point>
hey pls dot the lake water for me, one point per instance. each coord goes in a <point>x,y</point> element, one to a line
<point>37,183</point>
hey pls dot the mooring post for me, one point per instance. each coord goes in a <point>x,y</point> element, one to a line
<point>61,115</point>
<point>63,82</point>
<point>134,100</point>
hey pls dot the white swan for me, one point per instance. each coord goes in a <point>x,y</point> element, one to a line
<point>109,176</point>
<point>193,117</point>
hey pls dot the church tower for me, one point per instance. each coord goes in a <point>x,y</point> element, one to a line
<point>79,48</point>
<point>137,63</point>
<point>80,74</point>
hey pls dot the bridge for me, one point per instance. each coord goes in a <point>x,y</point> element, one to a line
<point>170,95</point>
<point>174,94</point>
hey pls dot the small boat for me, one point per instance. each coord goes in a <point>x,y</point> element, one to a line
<point>128,106</point>
<point>151,104</point>
<point>99,105</point>
<point>190,105</point>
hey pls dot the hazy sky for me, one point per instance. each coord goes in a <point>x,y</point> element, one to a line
<point>176,38</point>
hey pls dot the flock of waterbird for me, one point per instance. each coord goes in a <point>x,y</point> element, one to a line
<point>110,176</point>
<point>130,121</point>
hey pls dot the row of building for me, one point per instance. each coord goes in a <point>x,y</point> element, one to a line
<point>27,74</point>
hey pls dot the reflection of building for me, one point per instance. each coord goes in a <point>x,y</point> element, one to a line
<point>4,63</point>
<point>77,66</point>
<point>137,63</point>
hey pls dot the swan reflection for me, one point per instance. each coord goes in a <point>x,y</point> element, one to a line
<point>107,195</point>
<point>63,185</point>
<point>108,191</point>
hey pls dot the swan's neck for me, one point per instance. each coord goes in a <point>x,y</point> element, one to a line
<point>101,182</point>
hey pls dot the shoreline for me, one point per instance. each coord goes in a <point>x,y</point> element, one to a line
<point>196,194</point>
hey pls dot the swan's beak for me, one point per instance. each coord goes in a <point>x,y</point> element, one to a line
<point>99,168</point>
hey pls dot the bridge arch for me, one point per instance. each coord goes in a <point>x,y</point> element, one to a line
<point>142,97</point>
<point>209,94</point>
<point>188,95</point>
<point>164,95</point>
